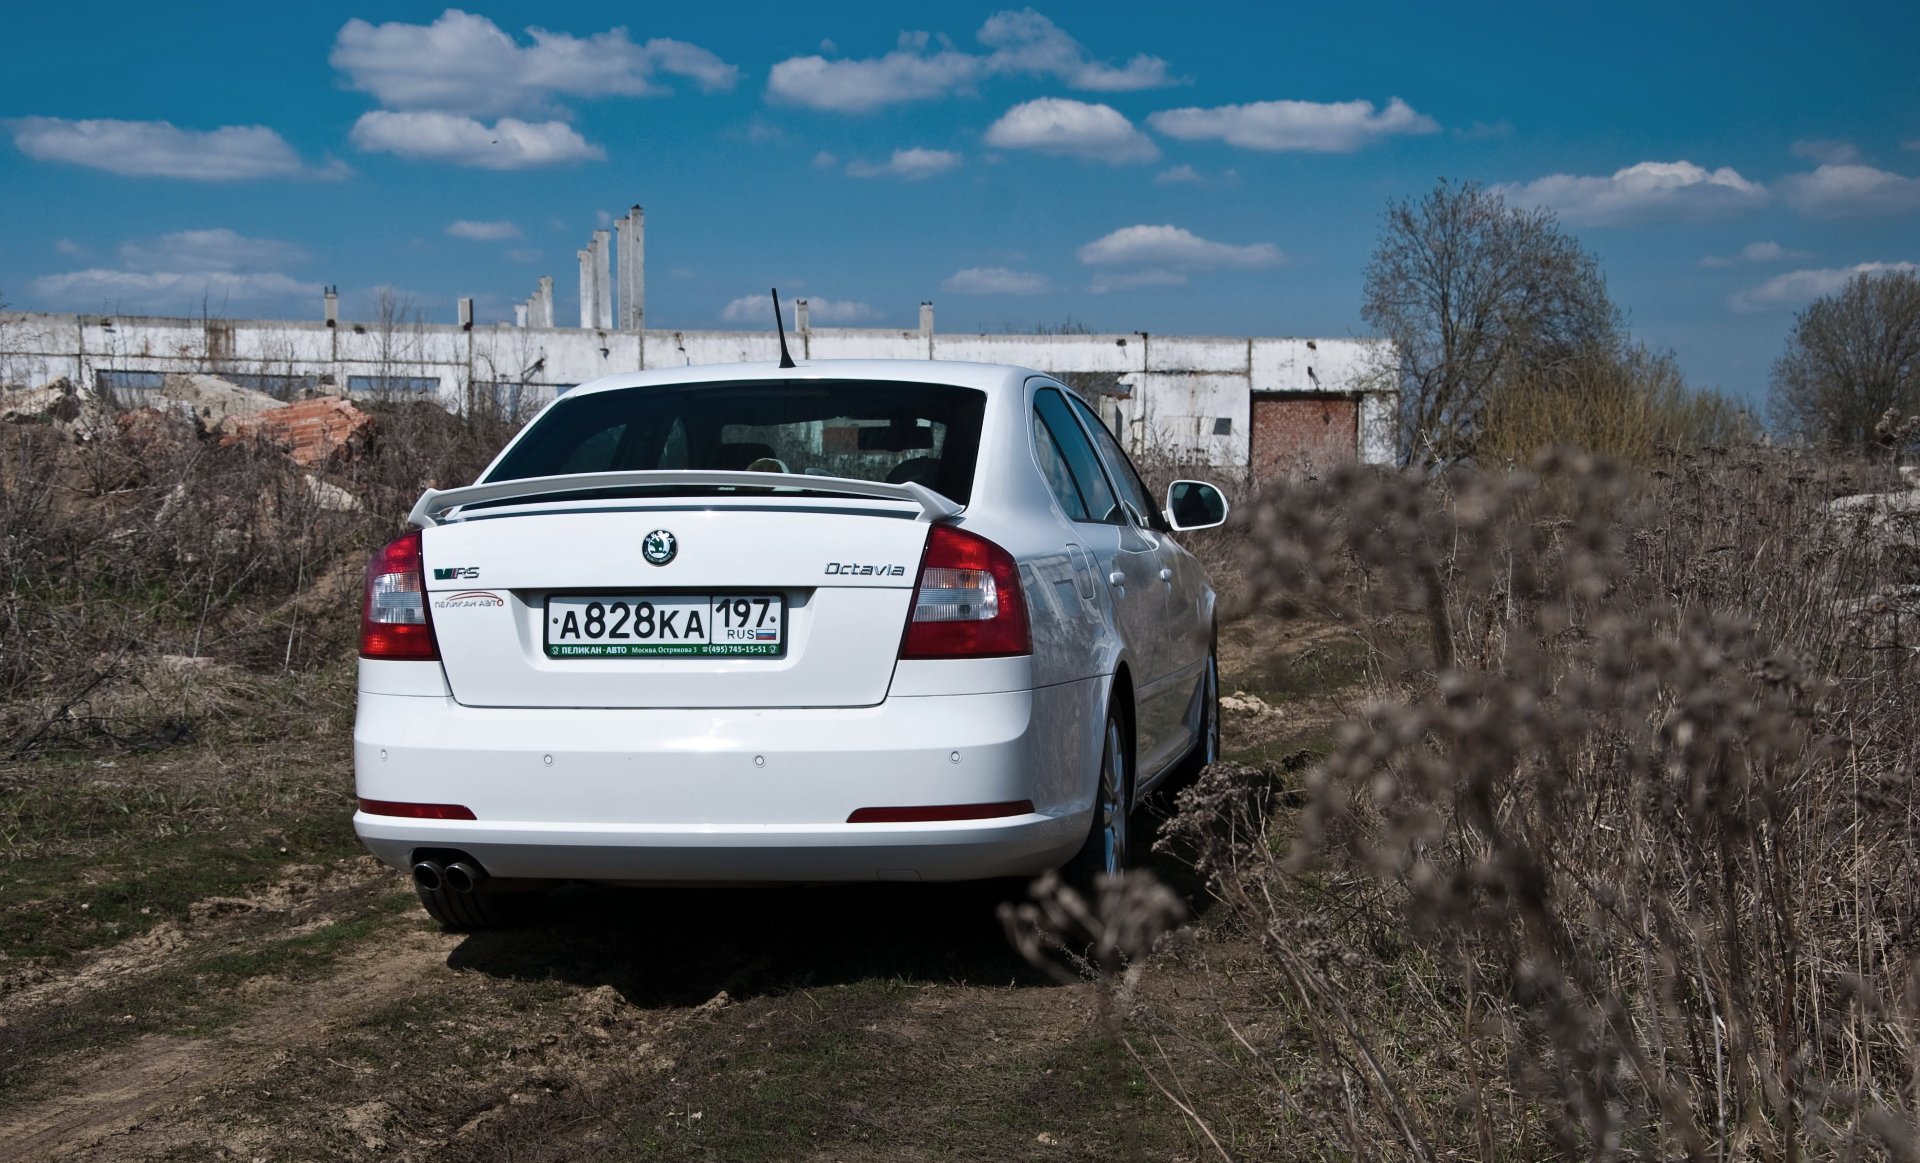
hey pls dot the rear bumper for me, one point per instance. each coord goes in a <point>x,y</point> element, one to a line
<point>657,795</point>
<point>970,850</point>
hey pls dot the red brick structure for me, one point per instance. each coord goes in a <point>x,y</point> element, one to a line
<point>1301,435</point>
<point>311,431</point>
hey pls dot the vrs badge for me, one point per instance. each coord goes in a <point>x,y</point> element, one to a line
<point>659,547</point>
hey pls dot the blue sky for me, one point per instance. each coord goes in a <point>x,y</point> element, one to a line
<point>1205,169</point>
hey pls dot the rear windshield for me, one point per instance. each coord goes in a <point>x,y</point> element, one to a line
<point>868,430</point>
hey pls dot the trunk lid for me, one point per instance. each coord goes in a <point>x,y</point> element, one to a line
<point>844,569</point>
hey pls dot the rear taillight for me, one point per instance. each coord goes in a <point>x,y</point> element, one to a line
<point>394,622</point>
<point>967,603</point>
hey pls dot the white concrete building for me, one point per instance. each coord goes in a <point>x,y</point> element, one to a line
<point>1270,405</point>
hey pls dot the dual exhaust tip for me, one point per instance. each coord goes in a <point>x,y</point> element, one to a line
<point>457,875</point>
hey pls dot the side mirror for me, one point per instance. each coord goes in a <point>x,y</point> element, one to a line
<point>1195,505</point>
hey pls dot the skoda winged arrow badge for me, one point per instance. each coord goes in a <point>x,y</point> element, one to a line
<point>659,547</point>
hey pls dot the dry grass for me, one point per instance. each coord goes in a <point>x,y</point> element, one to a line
<point>1633,406</point>
<point>1621,862</point>
<point>156,583</point>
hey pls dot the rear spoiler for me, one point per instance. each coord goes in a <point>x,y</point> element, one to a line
<point>435,503</point>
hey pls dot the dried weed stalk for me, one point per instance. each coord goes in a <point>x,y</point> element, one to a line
<point>1622,862</point>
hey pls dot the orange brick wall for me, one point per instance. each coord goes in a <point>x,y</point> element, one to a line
<point>1303,435</point>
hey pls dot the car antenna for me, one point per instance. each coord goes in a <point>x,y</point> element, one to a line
<point>785,359</point>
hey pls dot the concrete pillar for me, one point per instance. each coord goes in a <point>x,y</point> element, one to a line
<point>519,314</point>
<point>800,316</point>
<point>546,301</point>
<point>586,287</point>
<point>633,270</point>
<point>464,313</point>
<point>602,280</point>
<point>333,337</point>
<point>926,318</point>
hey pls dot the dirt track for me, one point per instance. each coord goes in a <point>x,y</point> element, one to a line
<point>415,1043</point>
<point>323,1016</point>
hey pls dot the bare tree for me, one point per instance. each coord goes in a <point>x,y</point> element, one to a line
<point>398,330</point>
<point>1853,356</point>
<point>1474,291</point>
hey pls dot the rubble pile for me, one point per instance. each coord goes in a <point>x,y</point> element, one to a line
<point>312,432</point>
<point>214,403</point>
<point>315,433</point>
<point>71,412</point>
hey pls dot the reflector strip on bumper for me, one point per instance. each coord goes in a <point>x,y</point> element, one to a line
<point>935,812</point>
<point>416,811</point>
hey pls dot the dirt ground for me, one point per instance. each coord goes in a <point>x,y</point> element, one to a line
<point>177,983</point>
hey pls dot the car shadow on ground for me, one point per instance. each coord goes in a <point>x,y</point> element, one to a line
<point>672,947</point>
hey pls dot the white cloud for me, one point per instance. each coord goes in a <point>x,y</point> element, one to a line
<point>858,86</point>
<point>1174,246</point>
<point>1837,191</point>
<point>1757,252</point>
<point>1177,175</point>
<point>758,309</point>
<point>483,231</point>
<point>222,292</point>
<point>1028,43</point>
<point>1797,287</point>
<point>995,281</point>
<point>524,254</point>
<point>1107,282</point>
<point>69,247</point>
<point>1022,43</point>
<point>838,311</point>
<point>509,144</point>
<point>210,250</point>
<point>220,270</point>
<point>824,160</point>
<point>463,63</point>
<point>1058,125</point>
<point>1826,152</point>
<point>910,164</point>
<point>1323,127</point>
<point>160,149</point>
<point>1639,192</point>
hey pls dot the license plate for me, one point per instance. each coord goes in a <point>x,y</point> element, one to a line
<point>666,625</point>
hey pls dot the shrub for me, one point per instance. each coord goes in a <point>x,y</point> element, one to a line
<point>1635,408</point>
<point>1620,862</point>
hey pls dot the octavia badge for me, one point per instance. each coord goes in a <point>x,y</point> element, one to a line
<point>659,547</point>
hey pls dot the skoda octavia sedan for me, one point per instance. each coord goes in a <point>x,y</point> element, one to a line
<point>847,621</point>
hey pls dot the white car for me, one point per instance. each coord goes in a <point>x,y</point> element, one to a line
<point>848,621</point>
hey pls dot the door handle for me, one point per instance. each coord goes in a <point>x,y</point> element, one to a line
<point>1166,575</point>
<point>1116,578</point>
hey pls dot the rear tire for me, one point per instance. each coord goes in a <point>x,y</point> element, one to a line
<point>469,912</point>
<point>1108,847</point>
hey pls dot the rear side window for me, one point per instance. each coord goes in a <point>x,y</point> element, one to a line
<point>1053,466</point>
<point>867,430</point>
<point>1076,477</point>
<point>1125,477</point>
